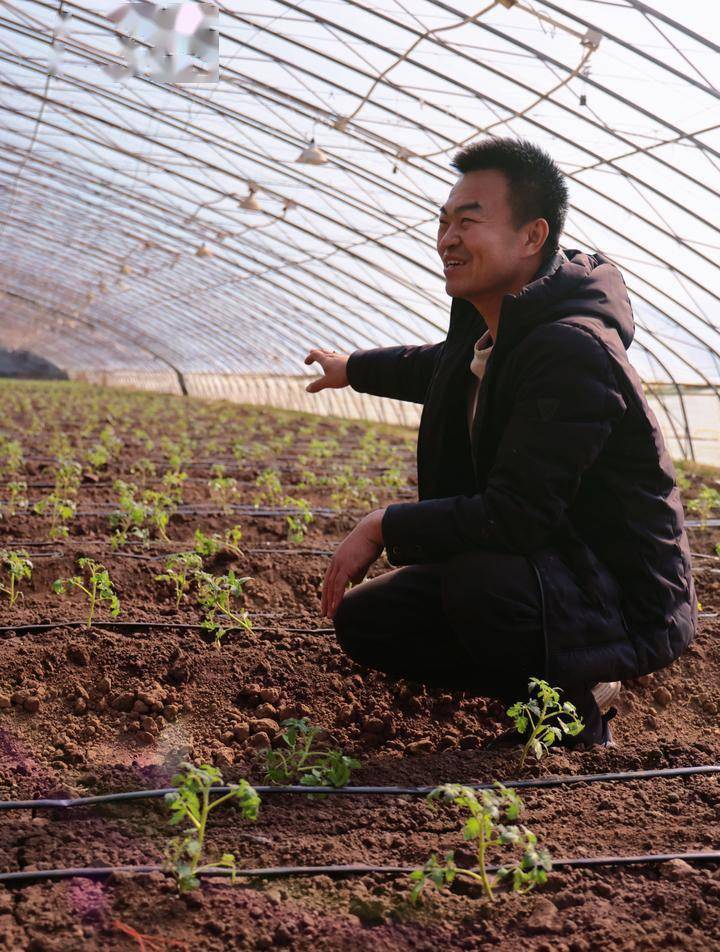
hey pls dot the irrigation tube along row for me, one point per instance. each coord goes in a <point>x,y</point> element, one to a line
<point>274,872</point>
<point>130,626</point>
<point>535,782</point>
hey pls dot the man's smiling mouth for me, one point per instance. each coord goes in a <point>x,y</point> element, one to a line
<point>452,264</point>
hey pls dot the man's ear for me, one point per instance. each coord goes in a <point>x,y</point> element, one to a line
<point>536,233</point>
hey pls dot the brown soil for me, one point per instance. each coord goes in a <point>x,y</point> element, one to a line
<point>85,712</point>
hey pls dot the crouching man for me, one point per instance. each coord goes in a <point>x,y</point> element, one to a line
<point>548,538</point>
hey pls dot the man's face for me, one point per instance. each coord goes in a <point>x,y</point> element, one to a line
<point>481,251</point>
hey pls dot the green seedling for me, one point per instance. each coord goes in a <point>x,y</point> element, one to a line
<point>17,500</point>
<point>482,828</point>
<point>11,457</point>
<point>178,452</point>
<point>271,491</point>
<point>538,713</point>
<point>95,583</point>
<point>391,478</point>
<point>97,458</point>
<point>61,511</point>
<point>191,803</point>
<point>143,470</point>
<point>298,524</point>
<point>351,490</point>
<point>207,545</point>
<point>308,479</point>
<point>212,544</point>
<point>180,570</point>
<point>172,483</point>
<point>143,437</point>
<point>253,446</point>
<point>705,503</point>
<point>300,761</point>
<point>110,441</point>
<point>215,596</point>
<point>140,513</point>
<point>19,567</point>
<point>223,489</point>
<point>129,520</point>
<point>681,478</point>
<point>60,503</point>
<point>67,478</point>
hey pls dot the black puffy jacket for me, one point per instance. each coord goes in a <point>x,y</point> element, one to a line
<point>566,465</point>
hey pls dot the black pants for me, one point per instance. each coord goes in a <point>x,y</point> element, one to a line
<point>471,623</point>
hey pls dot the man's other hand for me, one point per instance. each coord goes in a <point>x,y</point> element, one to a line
<point>352,558</point>
<point>333,367</point>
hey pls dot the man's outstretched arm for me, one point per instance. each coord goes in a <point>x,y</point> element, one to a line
<point>401,373</point>
<point>564,409</point>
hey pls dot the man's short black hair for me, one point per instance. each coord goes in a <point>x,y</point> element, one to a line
<point>536,185</point>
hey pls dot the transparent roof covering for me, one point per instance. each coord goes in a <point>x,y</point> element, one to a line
<point>149,223</point>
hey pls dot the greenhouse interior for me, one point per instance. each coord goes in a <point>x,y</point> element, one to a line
<point>360,475</point>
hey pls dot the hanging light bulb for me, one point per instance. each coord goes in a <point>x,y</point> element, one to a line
<point>125,269</point>
<point>203,252</point>
<point>312,155</point>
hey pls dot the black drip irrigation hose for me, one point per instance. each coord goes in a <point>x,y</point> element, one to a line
<point>538,782</point>
<point>250,550</point>
<point>235,508</point>
<point>274,872</point>
<point>146,626</point>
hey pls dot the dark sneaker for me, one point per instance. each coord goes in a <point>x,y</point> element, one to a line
<point>605,739</point>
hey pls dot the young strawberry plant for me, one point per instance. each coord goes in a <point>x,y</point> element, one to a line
<point>180,571</point>
<point>19,568</point>
<point>301,761</point>
<point>215,596</point>
<point>192,803</point>
<point>96,585</point>
<point>546,717</point>
<point>484,829</point>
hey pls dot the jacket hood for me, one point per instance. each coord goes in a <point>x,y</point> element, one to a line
<point>573,284</point>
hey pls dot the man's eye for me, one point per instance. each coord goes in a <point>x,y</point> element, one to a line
<point>463,220</point>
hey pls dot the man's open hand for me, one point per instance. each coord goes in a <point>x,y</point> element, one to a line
<point>352,558</point>
<point>333,368</point>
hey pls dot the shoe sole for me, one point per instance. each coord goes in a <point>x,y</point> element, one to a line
<point>606,693</point>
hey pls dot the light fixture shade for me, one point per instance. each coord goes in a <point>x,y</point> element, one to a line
<point>250,203</point>
<point>204,252</point>
<point>312,155</point>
